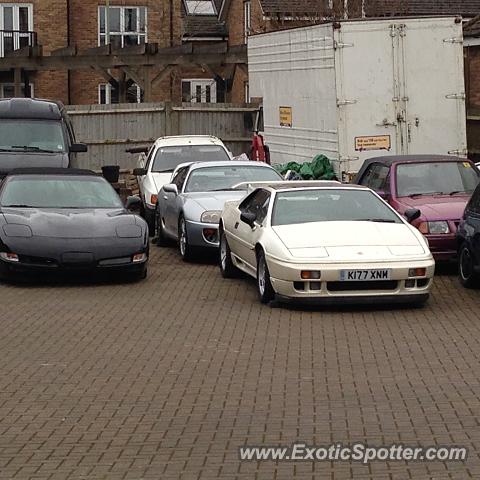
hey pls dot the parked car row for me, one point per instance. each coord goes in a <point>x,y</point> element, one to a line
<point>374,240</point>
<point>326,240</point>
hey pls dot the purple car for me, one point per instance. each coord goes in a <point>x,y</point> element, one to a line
<point>431,191</point>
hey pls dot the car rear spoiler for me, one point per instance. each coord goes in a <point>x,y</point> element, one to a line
<point>250,186</point>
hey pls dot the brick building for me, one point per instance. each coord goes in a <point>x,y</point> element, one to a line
<point>56,24</point>
<point>83,23</point>
<point>472,85</point>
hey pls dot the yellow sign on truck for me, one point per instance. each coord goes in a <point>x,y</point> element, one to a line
<point>285,116</point>
<point>373,142</point>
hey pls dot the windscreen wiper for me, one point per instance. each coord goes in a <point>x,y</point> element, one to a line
<point>28,148</point>
<point>457,191</point>
<point>414,195</point>
<point>18,206</point>
<point>378,220</point>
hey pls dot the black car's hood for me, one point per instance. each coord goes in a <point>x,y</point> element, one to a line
<point>72,223</point>
<point>11,160</point>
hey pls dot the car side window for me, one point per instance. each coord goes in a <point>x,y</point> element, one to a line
<point>257,203</point>
<point>474,203</point>
<point>179,178</point>
<point>69,126</point>
<point>367,175</point>
<point>380,179</point>
<point>149,157</point>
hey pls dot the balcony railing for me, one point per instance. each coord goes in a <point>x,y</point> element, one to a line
<point>11,40</point>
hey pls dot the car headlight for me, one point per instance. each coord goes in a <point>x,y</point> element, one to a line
<point>211,216</point>
<point>9,256</point>
<point>438,228</point>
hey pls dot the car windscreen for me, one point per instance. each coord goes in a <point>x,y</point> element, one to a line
<point>59,192</point>
<point>19,135</point>
<point>328,205</point>
<point>209,179</point>
<point>168,158</point>
<point>435,178</point>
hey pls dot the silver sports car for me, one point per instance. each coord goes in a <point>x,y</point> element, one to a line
<point>190,206</point>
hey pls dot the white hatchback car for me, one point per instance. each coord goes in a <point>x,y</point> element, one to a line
<point>327,242</point>
<point>155,168</point>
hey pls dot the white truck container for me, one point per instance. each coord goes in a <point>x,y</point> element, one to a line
<point>353,90</point>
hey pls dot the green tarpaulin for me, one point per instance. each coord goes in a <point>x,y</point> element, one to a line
<point>319,168</point>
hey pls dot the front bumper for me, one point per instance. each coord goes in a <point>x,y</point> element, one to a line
<point>287,282</point>
<point>13,269</point>
<point>42,254</point>
<point>443,247</point>
<point>197,237</point>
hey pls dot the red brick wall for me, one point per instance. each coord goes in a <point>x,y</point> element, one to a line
<point>50,23</point>
<point>84,28</point>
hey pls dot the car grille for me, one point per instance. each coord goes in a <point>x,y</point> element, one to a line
<point>40,261</point>
<point>368,285</point>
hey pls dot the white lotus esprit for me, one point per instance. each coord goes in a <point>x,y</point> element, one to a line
<point>325,241</point>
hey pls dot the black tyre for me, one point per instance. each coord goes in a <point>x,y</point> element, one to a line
<point>137,276</point>
<point>264,285</point>
<point>162,240</point>
<point>466,268</point>
<point>227,268</point>
<point>150,219</point>
<point>186,250</point>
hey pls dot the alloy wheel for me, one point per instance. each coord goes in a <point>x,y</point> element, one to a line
<point>183,238</point>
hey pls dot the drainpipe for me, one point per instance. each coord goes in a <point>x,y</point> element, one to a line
<point>171,23</point>
<point>69,79</point>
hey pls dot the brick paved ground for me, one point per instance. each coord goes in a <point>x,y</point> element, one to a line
<point>164,379</point>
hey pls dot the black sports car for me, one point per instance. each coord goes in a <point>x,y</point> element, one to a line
<point>68,220</point>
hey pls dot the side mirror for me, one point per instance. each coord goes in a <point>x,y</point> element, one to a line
<point>78,148</point>
<point>170,188</point>
<point>133,203</point>
<point>139,172</point>
<point>248,218</point>
<point>412,214</point>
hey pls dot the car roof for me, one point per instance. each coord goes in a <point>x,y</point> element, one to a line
<point>51,171</point>
<point>389,159</point>
<point>180,140</point>
<point>30,108</point>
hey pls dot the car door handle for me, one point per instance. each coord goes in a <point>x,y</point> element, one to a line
<point>236,225</point>
<point>165,197</point>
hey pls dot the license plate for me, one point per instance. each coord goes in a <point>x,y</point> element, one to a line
<point>364,275</point>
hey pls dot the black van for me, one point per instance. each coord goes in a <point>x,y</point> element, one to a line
<point>36,133</point>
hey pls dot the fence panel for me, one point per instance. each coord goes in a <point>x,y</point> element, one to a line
<point>109,130</point>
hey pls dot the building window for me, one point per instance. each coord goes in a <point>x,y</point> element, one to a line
<point>128,26</point>
<point>199,91</point>
<point>16,25</point>
<point>247,92</point>
<point>7,90</point>
<point>200,7</point>
<point>108,94</point>
<point>247,19</point>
